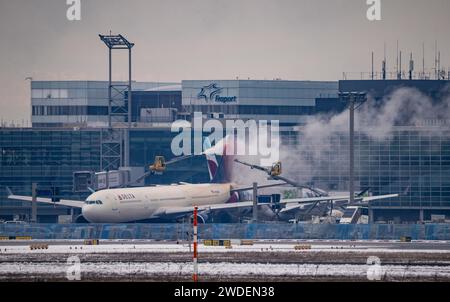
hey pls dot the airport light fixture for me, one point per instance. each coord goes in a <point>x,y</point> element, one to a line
<point>116,41</point>
<point>117,92</point>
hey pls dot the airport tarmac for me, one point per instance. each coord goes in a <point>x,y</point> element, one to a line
<point>264,260</point>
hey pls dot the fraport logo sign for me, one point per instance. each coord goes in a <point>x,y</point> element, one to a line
<point>211,93</point>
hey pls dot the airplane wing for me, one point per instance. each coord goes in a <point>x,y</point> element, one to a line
<point>291,204</point>
<point>62,202</point>
<point>294,207</point>
<point>359,200</point>
<point>224,206</point>
<point>312,199</point>
<point>211,207</point>
<point>371,198</point>
<point>336,198</point>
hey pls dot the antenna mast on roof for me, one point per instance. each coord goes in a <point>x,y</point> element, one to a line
<point>423,61</point>
<point>435,60</point>
<point>439,65</point>
<point>383,64</point>
<point>397,61</point>
<point>372,65</point>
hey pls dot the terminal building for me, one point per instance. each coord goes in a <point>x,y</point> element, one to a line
<point>85,103</point>
<point>290,102</point>
<point>70,133</point>
<point>82,103</point>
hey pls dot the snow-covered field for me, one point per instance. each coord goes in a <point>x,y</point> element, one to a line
<point>223,269</point>
<point>151,260</point>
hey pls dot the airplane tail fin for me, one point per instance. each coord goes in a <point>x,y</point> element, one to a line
<point>211,159</point>
<point>9,191</point>
<point>407,190</point>
<point>219,163</point>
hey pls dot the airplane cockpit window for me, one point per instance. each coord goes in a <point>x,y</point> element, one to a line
<point>93,202</point>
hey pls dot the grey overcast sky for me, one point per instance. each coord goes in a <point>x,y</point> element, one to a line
<point>209,39</point>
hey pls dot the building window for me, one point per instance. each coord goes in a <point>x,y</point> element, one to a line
<point>38,110</point>
<point>49,93</point>
<point>71,110</point>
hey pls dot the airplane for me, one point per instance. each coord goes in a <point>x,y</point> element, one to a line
<point>334,206</point>
<point>140,204</point>
<point>169,202</point>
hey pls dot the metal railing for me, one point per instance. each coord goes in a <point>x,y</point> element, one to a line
<point>228,231</point>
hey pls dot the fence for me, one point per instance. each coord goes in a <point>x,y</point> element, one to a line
<point>228,231</point>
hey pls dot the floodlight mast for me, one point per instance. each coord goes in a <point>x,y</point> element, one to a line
<point>116,107</point>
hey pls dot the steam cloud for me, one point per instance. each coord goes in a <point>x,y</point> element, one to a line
<point>317,150</point>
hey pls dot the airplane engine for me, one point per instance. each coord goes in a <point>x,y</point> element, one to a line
<point>235,197</point>
<point>202,217</point>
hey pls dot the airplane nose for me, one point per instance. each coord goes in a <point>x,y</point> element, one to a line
<point>92,210</point>
<point>88,212</point>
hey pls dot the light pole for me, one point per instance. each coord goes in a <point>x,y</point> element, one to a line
<point>352,98</point>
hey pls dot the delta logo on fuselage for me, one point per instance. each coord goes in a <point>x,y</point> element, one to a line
<point>212,92</point>
<point>126,196</point>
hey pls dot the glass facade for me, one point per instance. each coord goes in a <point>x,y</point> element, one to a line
<point>47,157</point>
<point>325,105</point>
<point>148,143</point>
<point>412,161</point>
<point>154,99</point>
<point>67,103</point>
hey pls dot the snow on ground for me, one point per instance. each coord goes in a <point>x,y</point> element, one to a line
<point>128,269</point>
<point>222,269</point>
<point>78,248</point>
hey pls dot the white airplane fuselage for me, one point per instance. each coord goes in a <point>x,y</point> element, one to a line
<point>134,204</point>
